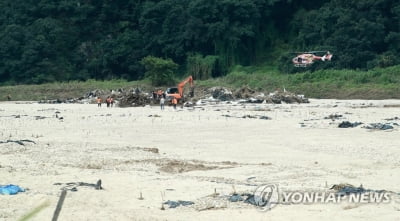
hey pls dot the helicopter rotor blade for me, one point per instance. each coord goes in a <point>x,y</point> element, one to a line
<point>308,52</point>
<point>318,51</point>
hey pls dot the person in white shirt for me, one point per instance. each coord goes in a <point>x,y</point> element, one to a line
<point>162,101</point>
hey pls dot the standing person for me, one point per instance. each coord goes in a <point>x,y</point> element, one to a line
<point>162,101</point>
<point>174,102</point>
<point>159,93</point>
<point>8,97</point>
<point>111,101</point>
<point>154,95</point>
<point>108,101</point>
<point>98,102</point>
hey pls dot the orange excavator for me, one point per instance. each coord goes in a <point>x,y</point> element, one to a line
<point>177,92</point>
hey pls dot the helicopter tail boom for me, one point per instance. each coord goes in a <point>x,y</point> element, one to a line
<point>327,57</point>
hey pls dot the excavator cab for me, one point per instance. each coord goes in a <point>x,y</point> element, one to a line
<point>171,93</point>
<point>172,90</point>
<point>177,92</point>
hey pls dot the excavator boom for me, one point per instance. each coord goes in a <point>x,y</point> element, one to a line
<point>182,84</point>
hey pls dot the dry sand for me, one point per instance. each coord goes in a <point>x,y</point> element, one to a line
<point>199,151</point>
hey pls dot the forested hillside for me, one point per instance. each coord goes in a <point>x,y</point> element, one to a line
<point>61,40</point>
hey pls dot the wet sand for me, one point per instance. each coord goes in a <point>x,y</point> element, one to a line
<point>191,153</point>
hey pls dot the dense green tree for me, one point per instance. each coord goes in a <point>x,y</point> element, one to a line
<point>11,48</point>
<point>61,40</point>
<point>159,71</point>
<point>201,67</point>
<point>354,30</point>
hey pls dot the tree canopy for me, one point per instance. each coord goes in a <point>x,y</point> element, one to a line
<point>61,40</point>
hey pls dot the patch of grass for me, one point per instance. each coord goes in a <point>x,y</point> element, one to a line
<point>378,83</point>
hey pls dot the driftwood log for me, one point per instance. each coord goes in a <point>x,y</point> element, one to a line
<point>20,142</point>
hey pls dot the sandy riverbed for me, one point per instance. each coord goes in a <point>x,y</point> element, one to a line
<point>192,153</point>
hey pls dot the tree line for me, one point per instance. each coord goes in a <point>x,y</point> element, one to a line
<point>61,40</point>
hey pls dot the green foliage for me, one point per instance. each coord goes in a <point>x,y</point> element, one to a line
<point>378,83</point>
<point>361,34</point>
<point>46,41</point>
<point>159,71</point>
<point>200,67</point>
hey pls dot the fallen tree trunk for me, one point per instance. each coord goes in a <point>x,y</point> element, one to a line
<point>20,142</point>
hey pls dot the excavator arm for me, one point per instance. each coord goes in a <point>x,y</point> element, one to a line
<point>182,84</point>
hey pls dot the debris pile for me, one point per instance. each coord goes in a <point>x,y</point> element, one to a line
<point>344,189</point>
<point>279,97</point>
<point>371,126</point>
<point>73,186</point>
<point>244,93</point>
<point>334,116</point>
<point>135,100</point>
<point>95,93</point>
<point>135,97</point>
<point>59,101</point>
<point>380,126</point>
<point>174,204</point>
<point>347,189</point>
<point>348,124</point>
<point>220,93</point>
<point>211,202</point>
<point>262,117</point>
<point>248,95</point>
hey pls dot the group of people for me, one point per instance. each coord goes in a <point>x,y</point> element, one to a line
<point>158,94</point>
<point>109,101</point>
<point>174,102</point>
